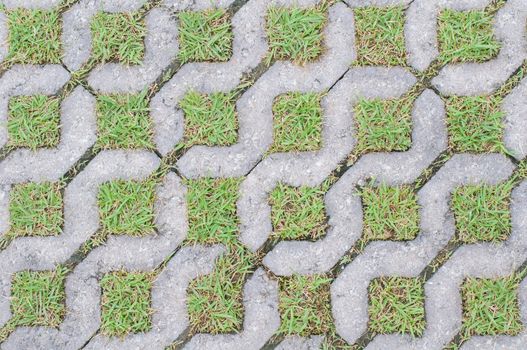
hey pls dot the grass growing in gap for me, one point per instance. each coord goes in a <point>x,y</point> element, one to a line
<point>123,122</point>
<point>475,124</point>
<point>298,212</point>
<point>38,298</point>
<point>296,34</point>
<point>210,120</point>
<point>297,122</point>
<point>36,209</point>
<point>490,306</point>
<point>397,306</point>
<point>482,212</point>
<point>304,305</point>
<point>118,37</point>
<point>383,125</point>
<point>127,207</point>
<point>390,213</point>
<point>205,36</point>
<point>380,36</point>
<point>34,36</point>
<point>33,121</point>
<point>466,36</point>
<point>125,303</point>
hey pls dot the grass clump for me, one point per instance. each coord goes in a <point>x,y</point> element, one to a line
<point>123,122</point>
<point>475,124</point>
<point>390,213</point>
<point>38,298</point>
<point>466,36</point>
<point>380,36</point>
<point>210,120</point>
<point>205,36</point>
<point>295,34</point>
<point>33,121</point>
<point>297,122</point>
<point>298,212</point>
<point>34,36</point>
<point>125,303</point>
<point>397,306</point>
<point>304,305</point>
<point>482,212</point>
<point>383,125</point>
<point>127,207</point>
<point>490,306</point>
<point>118,37</point>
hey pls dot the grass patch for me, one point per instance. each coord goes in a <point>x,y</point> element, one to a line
<point>123,122</point>
<point>466,36</point>
<point>482,212</point>
<point>298,212</point>
<point>205,36</point>
<point>305,305</point>
<point>33,121</point>
<point>490,306</point>
<point>390,213</point>
<point>297,122</point>
<point>210,120</point>
<point>295,34</point>
<point>34,36</point>
<point>397,305</point>
<point>380,36</point>
<point>36,209</point>
<point>125,303</point>
<point>118,37</point>
<point>38,298</point>
<point>383,125</point>
<point>475,124</point>
<point>127,207</point>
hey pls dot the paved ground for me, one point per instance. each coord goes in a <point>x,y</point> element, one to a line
<point>196,200</point>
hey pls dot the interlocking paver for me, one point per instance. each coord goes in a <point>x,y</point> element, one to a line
<point>247,174</point>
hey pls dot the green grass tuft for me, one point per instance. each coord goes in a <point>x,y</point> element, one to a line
<point>125,303</point>
<point>397,305</point>
<point>482,212</point>
<point>118,37</point>
<point>205,36</point>
<point>380,36</point>
<point>210,120</point>
<point>33,122</point>
<point>466,36</point>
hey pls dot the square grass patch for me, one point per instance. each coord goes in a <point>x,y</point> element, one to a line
<point>211,207</point>
<point>383,125</point>
<point>38,298</point>
<point>475,124</point>
<point>490,306</point>
<point>205,36</point>
<point>33,121</point>
<point>298,212</point>
<point>127,207</point>
<point>305,305</point>
<point>210,120</point>
<point>34,36</point>
<point>297,125</point>
<point>36,209</point>
<point>466,36</point>
<point>482,212</point>
<point>390,213</point>
<point>380,36</point>
<point>118,37</point>
<point>296,34</point>
<point>123,122</point>
<point>397,305</point>
<point>126,303</point>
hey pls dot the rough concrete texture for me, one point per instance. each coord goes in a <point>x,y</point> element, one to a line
<point>429,165</point>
